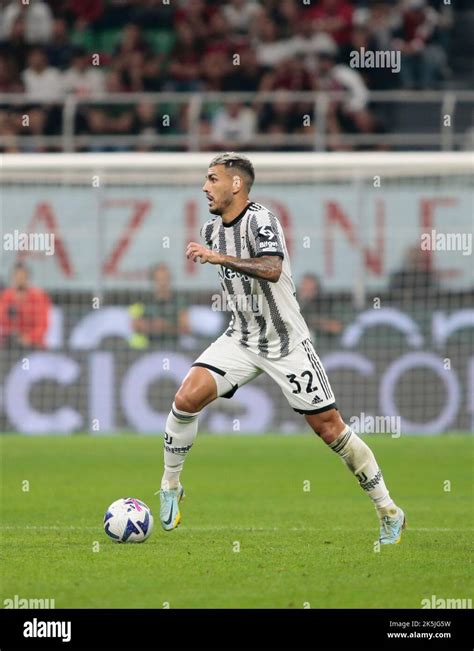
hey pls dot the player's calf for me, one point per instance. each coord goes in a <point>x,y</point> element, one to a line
<point>360,460</point>
<point>197,390</point>
<point>328,425</point>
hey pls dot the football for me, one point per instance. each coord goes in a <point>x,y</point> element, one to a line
<point>128,520</point>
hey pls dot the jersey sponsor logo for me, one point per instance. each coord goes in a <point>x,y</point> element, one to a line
<point>266,233</point>
<point>230,274</point>
<point>268,245</point>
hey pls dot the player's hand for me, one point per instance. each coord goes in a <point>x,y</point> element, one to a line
<point>199,252</point>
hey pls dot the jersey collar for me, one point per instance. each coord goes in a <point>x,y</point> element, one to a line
<point>239,216</point>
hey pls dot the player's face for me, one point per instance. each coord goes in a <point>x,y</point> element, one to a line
<point>218,189</point>
<point>20,279</point>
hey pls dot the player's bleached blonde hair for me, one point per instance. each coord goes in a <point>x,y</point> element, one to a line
<point>231,159</point>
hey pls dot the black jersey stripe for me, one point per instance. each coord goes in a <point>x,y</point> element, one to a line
<point>274,225</point>
<point>245,283</point>
<point>260,320</point>
<point>275,316</point>
<point>230,289</point>
<point>208,233</point>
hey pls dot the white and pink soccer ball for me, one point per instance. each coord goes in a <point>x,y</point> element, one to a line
<point>128,520</point>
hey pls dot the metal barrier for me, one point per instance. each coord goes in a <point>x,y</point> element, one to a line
<point>445,137</point>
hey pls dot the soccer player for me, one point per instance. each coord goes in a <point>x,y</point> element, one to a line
<point>267,333</point>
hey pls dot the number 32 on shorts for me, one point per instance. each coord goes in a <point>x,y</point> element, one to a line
<point>310,387</point>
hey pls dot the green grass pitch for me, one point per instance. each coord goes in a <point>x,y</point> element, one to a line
<point>298,548</point>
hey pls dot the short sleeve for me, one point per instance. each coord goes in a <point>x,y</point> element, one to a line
<point>206,232</point>
<point>265,234</point>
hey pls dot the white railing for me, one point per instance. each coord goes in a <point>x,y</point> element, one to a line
<point>445,137</point>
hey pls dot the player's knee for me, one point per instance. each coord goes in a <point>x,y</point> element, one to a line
<point>192,397</point>
<point>188,400</point>
<point>328,424</point>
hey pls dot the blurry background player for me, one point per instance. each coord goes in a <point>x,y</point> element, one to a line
<point>163,318</point>
<point>267,333</point>
<point>24,312</point>
<point>312,306</point>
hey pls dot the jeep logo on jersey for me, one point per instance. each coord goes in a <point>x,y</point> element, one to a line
<point>230,274</point>
<point>266,233</point>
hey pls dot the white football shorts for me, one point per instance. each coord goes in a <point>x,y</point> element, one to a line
<point>300,374</point>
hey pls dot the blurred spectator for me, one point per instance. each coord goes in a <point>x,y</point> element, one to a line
<point>269,47</point>
<point>60,50</point>
<point>15,47</point>
<point>423,59</point>
<point>86,12</point>
<point>114,82</point>
<point>24,312</point>
<point>41,81</point>
<point>132,40</point>
<point>184,66</point>
<point>375,77</point>
<point>381,20</point>
<point>82,78</point>
<point>146,125</point>
<point>333,17</point>
<point>349,113</point>
<point>311,304</point>
<point>247,75</point>
<point>36,16</point>
<point>9,82</point>
<point>280,118</point>
<point>307,42</point>
<point>289,74</point>
<point>152,12</point>
<point>416,279</point>
<point>233,127</point>
<point>164,318</point>
<point>141,73</point>
<point>219,37</point>
<point>140,69</point>
<point>196,13</point>
<point>119,12</point>
<point>214,69</point>
<point>240,14</point>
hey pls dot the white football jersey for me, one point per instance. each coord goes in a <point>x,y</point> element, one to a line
<point>266,317</point>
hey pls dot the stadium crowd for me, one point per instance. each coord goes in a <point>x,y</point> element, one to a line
<point>55,48</point>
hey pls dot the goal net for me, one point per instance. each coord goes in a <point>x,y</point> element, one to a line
<point>381,255</point>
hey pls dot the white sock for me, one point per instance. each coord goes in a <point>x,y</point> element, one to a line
<point>180,432</point>
<point>360,459</point>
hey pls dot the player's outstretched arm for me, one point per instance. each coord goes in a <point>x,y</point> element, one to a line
<point>266,267</point>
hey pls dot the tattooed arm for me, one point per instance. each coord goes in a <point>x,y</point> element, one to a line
<point>266,267</point>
